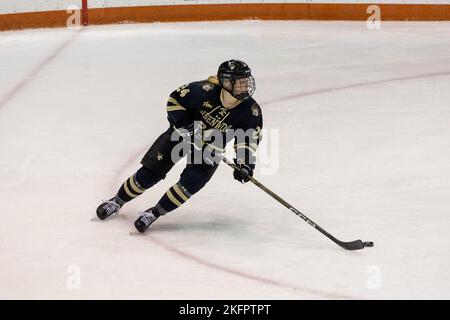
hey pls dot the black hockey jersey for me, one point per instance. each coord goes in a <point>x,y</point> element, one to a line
<point>200,101</point>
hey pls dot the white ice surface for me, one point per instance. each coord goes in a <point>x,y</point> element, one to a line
<point>364,120</point>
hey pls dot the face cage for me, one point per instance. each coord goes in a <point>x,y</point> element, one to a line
<point>244,88</point>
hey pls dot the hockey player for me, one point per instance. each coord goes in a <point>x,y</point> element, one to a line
<point>221,105</point>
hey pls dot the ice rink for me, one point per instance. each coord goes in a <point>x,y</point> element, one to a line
<point>363,120</point>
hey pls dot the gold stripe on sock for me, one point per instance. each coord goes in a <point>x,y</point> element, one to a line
<point>131,194</point>
<point>180,193</point>
<point>173,199</point>
<point>134,186</point>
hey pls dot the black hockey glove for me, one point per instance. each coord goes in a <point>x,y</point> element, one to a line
<point>246,171</point>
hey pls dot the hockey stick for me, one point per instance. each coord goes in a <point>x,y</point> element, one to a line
<point>352,245</point>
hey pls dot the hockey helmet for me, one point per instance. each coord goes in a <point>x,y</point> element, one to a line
<point>236,77</point>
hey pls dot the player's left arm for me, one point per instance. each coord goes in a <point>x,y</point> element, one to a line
<point>246,144</point>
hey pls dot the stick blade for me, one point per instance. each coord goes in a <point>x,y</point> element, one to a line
<point>353,245</point>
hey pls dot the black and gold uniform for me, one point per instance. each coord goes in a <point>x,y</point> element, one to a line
<point>200,102</point>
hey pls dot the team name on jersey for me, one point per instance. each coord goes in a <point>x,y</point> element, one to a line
<point>215,120</point>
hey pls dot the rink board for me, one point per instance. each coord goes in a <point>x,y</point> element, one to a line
<point>182,12</point>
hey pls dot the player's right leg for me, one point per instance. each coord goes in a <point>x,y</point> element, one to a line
<point>132,188</point>
<point>156,163</point>
<point>193,178</point>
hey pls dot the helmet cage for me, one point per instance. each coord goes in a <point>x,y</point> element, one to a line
<point>243,88</point>
<point>235,77</point>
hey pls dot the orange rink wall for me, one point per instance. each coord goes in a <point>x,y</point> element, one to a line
<point>215,12</point>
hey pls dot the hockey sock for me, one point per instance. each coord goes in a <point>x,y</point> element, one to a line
<point>174,197</point>
<point>135,185</point>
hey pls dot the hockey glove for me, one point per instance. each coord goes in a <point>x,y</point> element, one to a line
<point>244,173</point>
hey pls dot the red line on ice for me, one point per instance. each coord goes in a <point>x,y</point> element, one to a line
<point>247,276</point>
<point>54,54</point>
<point>35,71</point>
<point>218,267</point>
<point>244,275</point>
<point>262,280</point>
<point>355,85</point>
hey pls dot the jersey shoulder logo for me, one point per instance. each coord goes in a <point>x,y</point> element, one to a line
<point>255,110</point>
<point>208,87</point>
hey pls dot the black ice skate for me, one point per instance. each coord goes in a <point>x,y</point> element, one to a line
<point>108,208</point>
<point>145,219</point>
